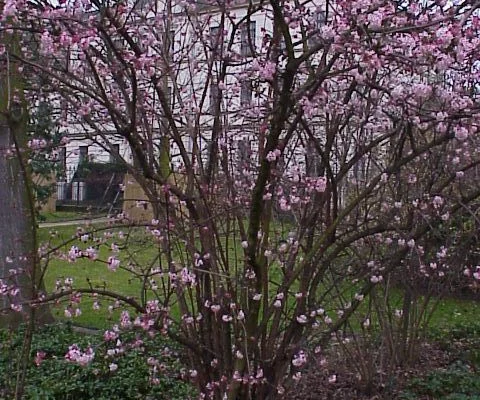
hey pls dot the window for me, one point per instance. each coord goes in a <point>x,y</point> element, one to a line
<point>171,38</point>
<point>82,154</point>
<point>312,160</point>
<point>62,160</point>
<point>244,153</point>
<point>142,5</point>
<point>319,21</point>
<point>114,153</point>
<point>246,93</point>
<point>247,37</point>
<point>171,97</point>
<point>214,98</point>
<point>214,37</point>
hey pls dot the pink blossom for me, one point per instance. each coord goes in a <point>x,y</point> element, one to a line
<point>267,72</point>
<point>320,184</point>
<point>110,335</point>
<point>153,306</point>
<point>77,356</point>
<point>37,144</point>
<point>359,297</point>
<point>302,319</point>
<point>299,359</point>
<point>91,253</point>
<point>215,308</point>
<point>39,357</point>
<point>16,307</point>
<point>74,253</point>
<point>125,320</point>
<point>9,9</point>
<point>187,277</point>
<point>113,263</point>
<point>461,133</point>
<point>437,202</point>
<point>273,155</point>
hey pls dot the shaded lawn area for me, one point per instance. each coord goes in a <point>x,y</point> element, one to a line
<point>60,216</point>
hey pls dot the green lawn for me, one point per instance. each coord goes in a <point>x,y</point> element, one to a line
<point>95,274</point>
<point>86,273</point>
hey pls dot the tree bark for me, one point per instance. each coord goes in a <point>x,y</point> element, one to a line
<point>18,243</point>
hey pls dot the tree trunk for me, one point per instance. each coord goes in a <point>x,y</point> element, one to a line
<point>18,247</point>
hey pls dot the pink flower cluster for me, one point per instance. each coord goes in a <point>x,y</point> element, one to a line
<point>77,356</point>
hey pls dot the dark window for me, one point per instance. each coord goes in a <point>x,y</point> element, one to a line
<point>244,152</point>
<point>214,98</point>
<point>282,46</point>
<point>312,160</point>
<point>321,19</point>
<point>114,153</point>
<point>82,154</point>
<point>62,160</point>
<point>319,22</point>
<point>172,41</point>
<point>215,39</point>
<point>170,97</point>
<point>246,93</point>
<point>247,44</point>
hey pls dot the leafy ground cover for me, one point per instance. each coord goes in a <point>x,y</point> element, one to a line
<point>447,368</point>
<point>113,373</point>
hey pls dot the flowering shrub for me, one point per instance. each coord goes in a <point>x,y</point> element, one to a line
<point>274,216</point>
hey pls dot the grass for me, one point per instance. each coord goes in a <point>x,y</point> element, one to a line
<point>449,311</point>
<point>96,274</point>
<point>453,312</point>
<point>60,216</point>
<point>87,273</point>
